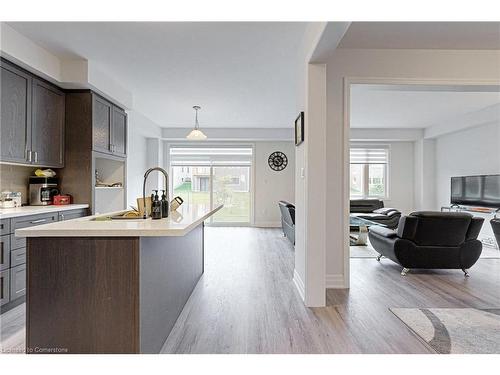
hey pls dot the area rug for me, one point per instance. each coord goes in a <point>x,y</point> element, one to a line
<point>455,330</point>
<point>490,253</point>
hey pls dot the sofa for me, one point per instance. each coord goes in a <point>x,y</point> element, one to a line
<point>431,240</point>
<point>374,210</point>
<point>288,220</point>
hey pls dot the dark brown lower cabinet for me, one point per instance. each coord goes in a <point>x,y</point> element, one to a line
<point>108,294</point>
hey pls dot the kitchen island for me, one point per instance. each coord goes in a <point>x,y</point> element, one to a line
<point>113,286</point>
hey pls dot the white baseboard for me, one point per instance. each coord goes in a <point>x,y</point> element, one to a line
<point>268,224</point>
<point>299,284</point>
<point>335,281</point>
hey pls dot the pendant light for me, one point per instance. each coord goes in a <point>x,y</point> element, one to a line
<point>196,134</point>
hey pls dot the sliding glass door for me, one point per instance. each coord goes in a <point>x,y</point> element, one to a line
<point>192,184</point>
<point>231,188</point>
<point>213,176</point>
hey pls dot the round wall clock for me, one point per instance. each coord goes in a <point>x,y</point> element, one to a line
<point>277,161</point>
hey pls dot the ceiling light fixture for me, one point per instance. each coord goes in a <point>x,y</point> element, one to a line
<point>196,134</point>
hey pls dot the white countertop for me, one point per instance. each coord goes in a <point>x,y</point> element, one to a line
<point>179,223</point>
<point>6,213</point>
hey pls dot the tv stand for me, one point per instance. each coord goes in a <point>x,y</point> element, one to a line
<point>458,208</point>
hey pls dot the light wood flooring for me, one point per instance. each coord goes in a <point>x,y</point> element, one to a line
<point>246,302</point>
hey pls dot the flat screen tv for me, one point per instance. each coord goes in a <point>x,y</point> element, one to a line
<point>480,191</point>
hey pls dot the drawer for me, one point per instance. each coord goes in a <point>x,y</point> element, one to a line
<point>4,226</point>
<point>17,257</point>
<point>33,220</point>
<point>72,214</point>
<point>4,287</point>
<point>17,242</point>
<point>4,252</point>
<point>17,282</point>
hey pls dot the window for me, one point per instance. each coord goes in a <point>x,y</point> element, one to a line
<point>368,177</point>
<point>214,175</point>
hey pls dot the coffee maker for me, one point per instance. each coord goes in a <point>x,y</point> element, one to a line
<point>42,190</point>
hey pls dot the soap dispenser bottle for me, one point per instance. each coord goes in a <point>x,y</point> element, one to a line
<point>164,205</point>
<point>155,206</point>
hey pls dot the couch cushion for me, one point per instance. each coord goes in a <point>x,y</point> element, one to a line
<point>387,211</point>
<point>441,228</point>
<point>370,216</point>
<point>365,205</point>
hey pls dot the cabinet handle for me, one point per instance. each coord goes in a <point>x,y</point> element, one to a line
<point>1,287</point>
<point>38,221</point>
<point>1,254</point>
<point>36,156</point>
<point>29,156</point>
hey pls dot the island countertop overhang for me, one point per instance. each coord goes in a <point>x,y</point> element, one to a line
<point>179,223</point>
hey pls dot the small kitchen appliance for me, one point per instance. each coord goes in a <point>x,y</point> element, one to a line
<point>62,199</point>
<point>42,190</point>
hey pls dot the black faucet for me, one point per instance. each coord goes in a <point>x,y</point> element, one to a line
<point>144,186</point>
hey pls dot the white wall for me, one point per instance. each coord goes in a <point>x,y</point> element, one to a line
<point>425,175</point>
<point>303,252</point>
<point>233,134</point>
<point>139,157</point>
<point>269,186</point>
<point>471,151</point>
<point>401,174</point>
<point>368,66</point>
<point>272,186</point>
<point>468,152</point>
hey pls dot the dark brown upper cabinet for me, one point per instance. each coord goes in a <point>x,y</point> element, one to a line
<point>47,134</point>
<point>15,117</point>
<point>32,119</point>
<point>109,127</point>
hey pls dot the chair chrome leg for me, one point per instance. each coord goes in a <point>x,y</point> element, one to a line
<point>379,257</point>
<point>466,272</point>
<point>404,271</point>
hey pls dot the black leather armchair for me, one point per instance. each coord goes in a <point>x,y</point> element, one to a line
<point>495,225</point>
<point>374,210</point>
<point>288,220</point>
<point>432,240</point>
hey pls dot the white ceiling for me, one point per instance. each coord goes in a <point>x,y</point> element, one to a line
<point>410,106</point>
<point>423,35</point>
<point>241,74</point>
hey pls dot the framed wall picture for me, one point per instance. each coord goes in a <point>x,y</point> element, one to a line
<point>299,129</point>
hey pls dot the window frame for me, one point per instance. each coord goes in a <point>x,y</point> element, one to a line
<point>217,144</point>
<point>366,173</point>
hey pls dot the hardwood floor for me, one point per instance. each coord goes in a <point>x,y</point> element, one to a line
<point>246,302</point>
<point>13,330</point>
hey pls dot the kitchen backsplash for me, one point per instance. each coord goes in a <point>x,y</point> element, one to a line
<point>15,178</point>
